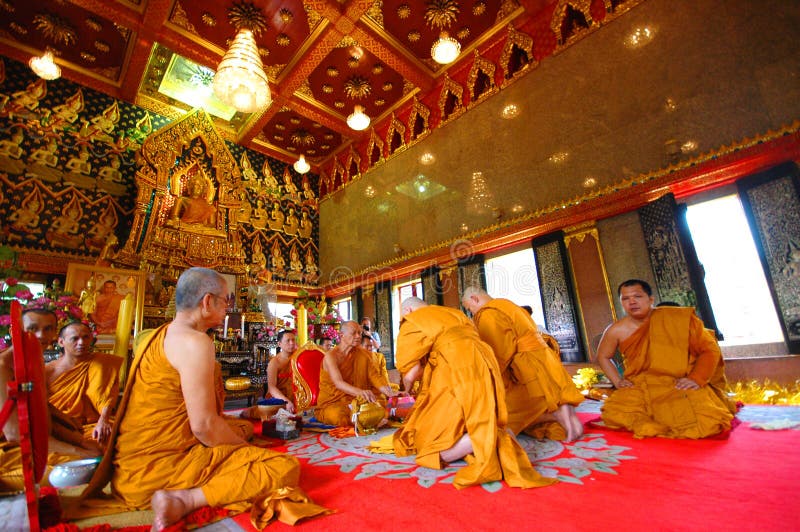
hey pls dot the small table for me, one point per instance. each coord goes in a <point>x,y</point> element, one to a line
<point>252,394</point>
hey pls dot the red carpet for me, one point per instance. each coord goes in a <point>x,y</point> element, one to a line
<point>747,482</point>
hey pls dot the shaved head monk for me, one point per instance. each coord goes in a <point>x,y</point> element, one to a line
<point>170,448</point>
<point>460,409</point>
<point>349,371</point>
<point>539,391</point>
<point>669,360</point>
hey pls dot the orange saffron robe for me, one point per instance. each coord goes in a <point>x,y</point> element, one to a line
<point>460,392</point>
<point>152,447</point>
<point>534,379</point>
<point>359,369</point>
<point>84,391</point>
<point>671,344</point>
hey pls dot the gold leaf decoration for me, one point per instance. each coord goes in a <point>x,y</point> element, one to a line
<point>377,69</point>
<point>5,6</point>
<point>380,102</point>
<point>291,148</point>
<point>55,28</point>
<point>280,127</point>
<point>329,136</point>
<point>311,152</point>
<point>124,31</point>
<point>279,138</point>
<point>326,146</point>
<point>286,15</point>
<point>357,87</point>
<point>441,13</point>
<point>93,24</point>
<point>403,11</point>
<point>17,28</point>
<point>332,72</point>
<point>413,36</point>
<point>245,15</point>
<point>301,137</point>
<point>283,40</point>
<point>463,33</point>
<point>263,52</point>
<point>327,89</point>
<point>89,58</point>
<point>479,8</point>
<point>294,120</point>
<point>338,105</point>
<point>209,19</point>
<point>388,86</point>
<point>317,125</point>
<point>102,46</point>
<point>353,62</point>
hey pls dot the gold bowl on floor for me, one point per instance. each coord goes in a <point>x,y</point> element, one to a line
<point>237,384</point>
<point>367,417</point>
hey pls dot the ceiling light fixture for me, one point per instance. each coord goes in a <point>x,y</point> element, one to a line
<point>301,166</point>
<point>240,80</point>
<point>446,49</point>
<point>44,67</point>
<point>358,120</point>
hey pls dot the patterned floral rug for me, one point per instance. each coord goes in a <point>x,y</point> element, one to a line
<point>566,462</point>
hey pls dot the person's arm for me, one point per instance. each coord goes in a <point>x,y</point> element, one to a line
<point>11,428</point>
<point>273,368</point>
<point>330,365</point>
<point>411,377</point>
<point>605,351</point>
<point>194,361</point>
<point>102,430</point>
<point>497,330</point>
<point>707,352</point>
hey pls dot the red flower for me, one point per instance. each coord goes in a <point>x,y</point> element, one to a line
<point>11,281</point>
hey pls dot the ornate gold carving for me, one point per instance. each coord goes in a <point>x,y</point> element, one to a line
<point>408,87</point>
<point>377,69</point>
<point>346,42</point>
<point>419,111</point>
<point>285,15</point>
<point>332,71</point>
<point>441,13</point>
<point>522,41</point>
<point>560,12</point>
<point>283,40</point>
<point>374,143</point>
<point>93,24</point>
<point>413,36</point>
<point>5,6</point>
<point>463,33</point>
<point>380,102</point>
<point>479,8</point>
<point>327,89</point>
<point>357,87</point>
<point>89,58</point>
<point>18,29</point>
<point>301,137</point>
<point>312,16</point>
<point>245,15</point>
<point>209,19</point>
<point>55,28</point>
<point>481,65</point>
<point>102,46</point>
<point>180,19</point>
<point>396,130</point>
<point>338,104</point>
<point>451,91</point>
<point>305,88</point>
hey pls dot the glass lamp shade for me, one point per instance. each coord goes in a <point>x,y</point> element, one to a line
<point>446,49</point>
<point>44,67</point>
<point>301,166</point>
<point>358,120</point>
<point>240,80</point>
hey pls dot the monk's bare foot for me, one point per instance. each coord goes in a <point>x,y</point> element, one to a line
<point>462,448</point>
<point>169,506</point>
<point>567,418</point>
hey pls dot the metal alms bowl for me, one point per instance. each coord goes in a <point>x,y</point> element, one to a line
<point>74,473</point>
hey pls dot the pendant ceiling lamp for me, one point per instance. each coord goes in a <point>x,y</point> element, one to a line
<point>446,49</point>
<point>240,80</point>
<point>358,120</point>
<point>45,67</point>
<point>301,166</point>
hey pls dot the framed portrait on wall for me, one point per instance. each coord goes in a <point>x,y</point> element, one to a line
<point>231,280</point>
<point>101,291</point>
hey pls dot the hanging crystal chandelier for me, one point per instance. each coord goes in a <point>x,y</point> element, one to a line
<point>301,166</point>
<point>358,120</point>
<point>446,49</point>
<point>44,67</point>
<point>240,80</point>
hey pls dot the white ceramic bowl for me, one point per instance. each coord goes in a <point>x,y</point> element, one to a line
<point>74,473</point>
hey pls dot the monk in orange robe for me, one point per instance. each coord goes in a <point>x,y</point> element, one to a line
<point>669,359</point>
<point>107,308</point>
<point>539,391</point>
<point>460,409</point>
<point>279,370</point>
<point>84,385</point>
<point>170,449</point>
<point>349,371</point>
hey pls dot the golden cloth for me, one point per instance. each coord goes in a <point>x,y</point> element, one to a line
<point>152,447</point>
<point>670,345</point>
<point>359,369</point>
<point>83,391</point>
<point>460,393</point>
<point>534,379</point>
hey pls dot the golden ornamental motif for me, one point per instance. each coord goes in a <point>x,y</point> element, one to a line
<point>102,46</point>
<point>441,13</point>
<point>353,62</point>
<point>311,152</point>
<point>124,31</point>
<point>55,28</point>
<point>317,125</point>
<point>245,15</point>
<point>332,72</point>
<point>388,86</point>
<point>328,136</point>
<point>291,148</point>
<point>413,36</point>
<point>377,69</point>
<point>18,29</point>
<point>338,105</point>
<point>479,8</point>
<point>93,24</point>
<point>325,147</point>
<point>283,40</point>
<point>263,52</point>
<point>403,11</point>
<point>285,15</point>
<point>279,138</point>
<point>89,58</point>
<point>294,120</point>
<point>209,19</point>
<point>357,87</point>
<point>5,6</point>
<point>380,102</point>
<point>463,33</point>
<point>327,89</point>
<point>280,127</point>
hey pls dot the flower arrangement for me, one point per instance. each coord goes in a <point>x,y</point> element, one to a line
<point>586,377</point>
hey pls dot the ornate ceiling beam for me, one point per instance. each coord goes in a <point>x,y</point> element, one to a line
<point>405,65</point>
<point>156,14</point>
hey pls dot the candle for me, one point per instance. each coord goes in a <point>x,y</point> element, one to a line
<point>302,325</point>
<point>225,328</point>
<point>122,336</point>
<point>242,326</point>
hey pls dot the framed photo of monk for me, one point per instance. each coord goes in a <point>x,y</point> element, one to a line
<point>100,292</point>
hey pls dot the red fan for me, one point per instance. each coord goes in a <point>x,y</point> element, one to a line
<point>27,393</point>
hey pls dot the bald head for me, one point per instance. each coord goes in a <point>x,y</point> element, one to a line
<point>195,283</point>
<point>410,304</point>
<point>349,327</point>
<point>474,298</point>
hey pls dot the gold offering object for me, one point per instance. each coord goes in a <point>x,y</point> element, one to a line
<point>367,416</point>
<point>237,384</point>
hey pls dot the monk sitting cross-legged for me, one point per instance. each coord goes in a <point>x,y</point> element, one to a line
<point>349,371</point>
<point>170,448</point>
